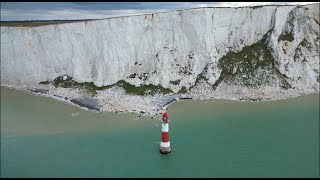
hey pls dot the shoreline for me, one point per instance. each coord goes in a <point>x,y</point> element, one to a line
<point>116,100</point>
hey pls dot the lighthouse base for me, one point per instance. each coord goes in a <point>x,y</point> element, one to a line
<point>165,150</point>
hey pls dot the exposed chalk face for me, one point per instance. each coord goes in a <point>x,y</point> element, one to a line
<point>169,47</point>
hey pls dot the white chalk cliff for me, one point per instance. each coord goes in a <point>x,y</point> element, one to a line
<point>269,47</point>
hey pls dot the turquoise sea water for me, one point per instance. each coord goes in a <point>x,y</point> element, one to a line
<point>43,137</point>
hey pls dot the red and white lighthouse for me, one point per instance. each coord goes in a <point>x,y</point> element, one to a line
<point>165,141</point>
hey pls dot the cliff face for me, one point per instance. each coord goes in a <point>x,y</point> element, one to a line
<point>274,46</point>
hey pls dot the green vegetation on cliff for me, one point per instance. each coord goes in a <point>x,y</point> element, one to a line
<point>253,66</point>
<point>92,88</point>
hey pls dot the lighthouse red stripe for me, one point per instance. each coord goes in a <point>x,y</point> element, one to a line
<point>165,137</point>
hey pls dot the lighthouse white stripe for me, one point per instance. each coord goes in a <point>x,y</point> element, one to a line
<point>165,127</point>
<point>165,144</point>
